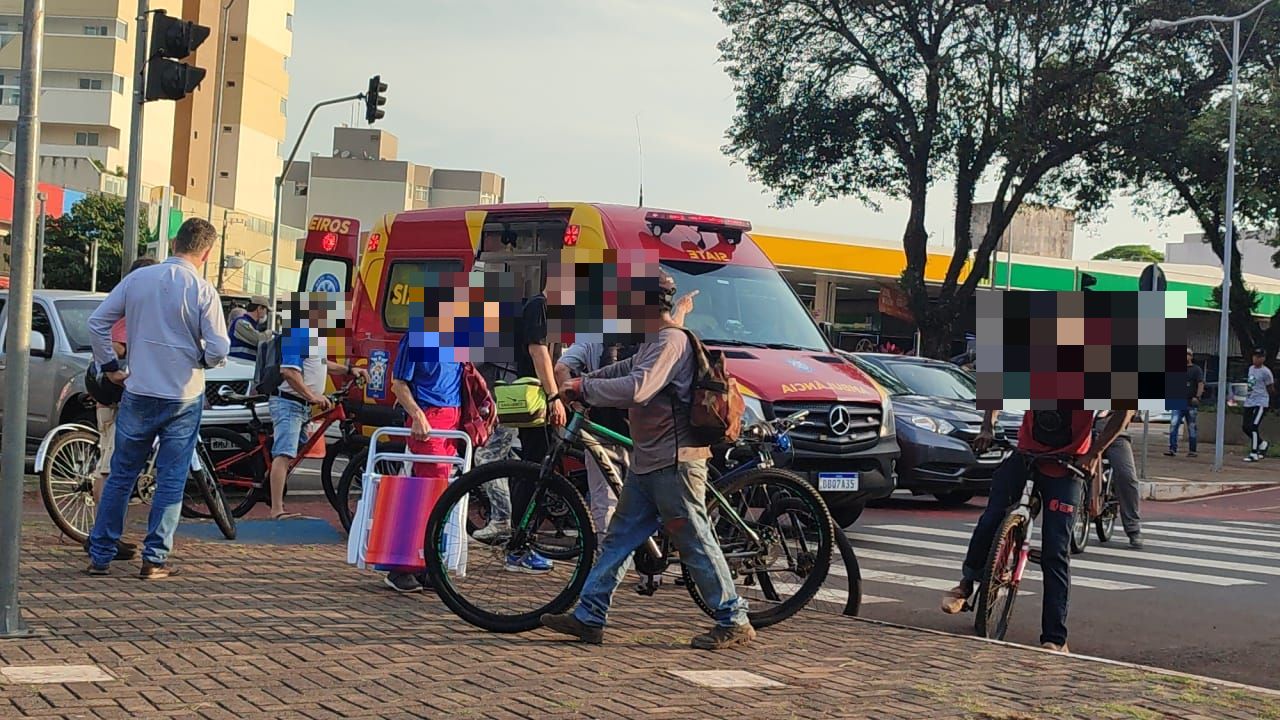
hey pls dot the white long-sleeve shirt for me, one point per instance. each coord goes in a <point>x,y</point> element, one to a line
<point>175,329</point>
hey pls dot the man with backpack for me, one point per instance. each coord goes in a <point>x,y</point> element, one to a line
<point>662,386</point>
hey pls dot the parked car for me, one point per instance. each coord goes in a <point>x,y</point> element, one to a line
<point>60,354</point>
<point>935,407</point>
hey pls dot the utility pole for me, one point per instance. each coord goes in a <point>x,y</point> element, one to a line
<point>18,340</point>
<point>40,242</point>
<point>217,116</point>
<point>93,266</point>
<point>133,192</point>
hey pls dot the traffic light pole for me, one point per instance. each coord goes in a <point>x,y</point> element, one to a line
<point>133,193</point>
<point>275,226</point>
<point>18,340</point>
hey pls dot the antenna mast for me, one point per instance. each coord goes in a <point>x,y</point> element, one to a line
<point>640,146</point>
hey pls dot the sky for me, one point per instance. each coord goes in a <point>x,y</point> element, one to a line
<point>548,93</point>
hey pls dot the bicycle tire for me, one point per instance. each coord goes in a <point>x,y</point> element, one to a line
<point>448,587</point>
<point>1080,524</point>
<point>816,563</point>
<point>250,469</point>
<point>350,475</point>
<point>1105,525</point>
<point>210,490</point>
<point>1003,556</point>
<point>333,451</point>
<point>66,483</point>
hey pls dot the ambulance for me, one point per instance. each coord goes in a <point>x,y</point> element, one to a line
<point>783,361</point>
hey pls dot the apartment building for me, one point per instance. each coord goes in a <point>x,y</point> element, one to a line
<point>365,179</point>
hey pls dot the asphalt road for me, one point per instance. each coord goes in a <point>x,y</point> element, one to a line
<point>1203,597</point>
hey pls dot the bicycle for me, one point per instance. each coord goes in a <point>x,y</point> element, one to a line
<point>66,484</point>
<point>1010,552</point>
<point>1103,518</point>
<point>241,463</point>
<point>755,509</point>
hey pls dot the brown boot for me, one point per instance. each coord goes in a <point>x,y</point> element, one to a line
<point>954,601</point>
<point>721,637</point>
<point>567,624</point>
<point>151,571</point>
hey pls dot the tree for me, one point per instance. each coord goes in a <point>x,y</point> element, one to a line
<point>69,240</point>
<point>1131,253</point>
<point>853,97</point>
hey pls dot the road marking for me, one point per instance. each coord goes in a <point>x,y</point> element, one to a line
<point>1254,532</point>
<point>946,565</point>
<point>1234,552</point>
<point>894,578</point>
<point>1215,538</point>
<point>830,595</point>
<point>1075,562</point>
<point>1248,523</point>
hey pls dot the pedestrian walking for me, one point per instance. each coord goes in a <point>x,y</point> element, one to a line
<point>1194,390</point>
<point>1124,478</point>
<point>183,333</point>
<point>248,329</point>
<point>1262,387</point>
<point>666,484</point>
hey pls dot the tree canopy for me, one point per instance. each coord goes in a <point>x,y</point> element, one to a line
<point>1131,253</point>
<point>1006,101</point>
<point>69,243</point>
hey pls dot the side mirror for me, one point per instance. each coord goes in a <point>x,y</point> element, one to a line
<point>38,346</point>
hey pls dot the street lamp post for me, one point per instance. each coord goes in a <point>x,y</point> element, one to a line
<point>1228,243</point>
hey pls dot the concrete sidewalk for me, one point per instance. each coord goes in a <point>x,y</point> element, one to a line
<point>291,632</point>
<point>1184,478</point>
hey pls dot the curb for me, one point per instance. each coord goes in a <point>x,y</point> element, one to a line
<point>1215,682</point>
<point>1188,490</point>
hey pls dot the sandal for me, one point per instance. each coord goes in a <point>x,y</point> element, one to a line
<point>286,516</point>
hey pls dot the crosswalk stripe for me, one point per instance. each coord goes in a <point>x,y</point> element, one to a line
<point>1232,551</point>
<point>1160,532</point>
<point>1114,552</point>
<point>1030,573</point>
<point>828,595</point>
<point>1075,562</point>
<point>1247,523</point>
<point>1253,532</point>
<point>894,578</point>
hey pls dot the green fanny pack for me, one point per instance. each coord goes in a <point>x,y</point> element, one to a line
<point>521,403</point>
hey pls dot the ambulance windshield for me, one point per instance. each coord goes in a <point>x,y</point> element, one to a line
<point>750,306</point>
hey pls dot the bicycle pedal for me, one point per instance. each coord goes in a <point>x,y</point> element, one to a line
<point>1034,555</point>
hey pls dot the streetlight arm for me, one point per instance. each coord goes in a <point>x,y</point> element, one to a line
<point>298,143</point>
<point>1157,25</point>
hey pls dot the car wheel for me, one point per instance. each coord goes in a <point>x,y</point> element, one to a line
<point>955,498</point>
<point>846,515</point>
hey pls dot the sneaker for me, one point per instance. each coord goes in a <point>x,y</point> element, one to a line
<point>567,624</point>
<point>151,571</point>
<point>954,601</point>
<point>530,562</point>
<point>98,570</point>
<point>1056,647</point>
<point>124,550</point>
<point>403,582</point>
<point>722,638</point>
<point>424,581</point>
<point>1252,457</point>
<point>493,532</point>
<point>1263,448</point>
<point>1169,453</point>
<point>1135,540</point>
<point>1192,454</point>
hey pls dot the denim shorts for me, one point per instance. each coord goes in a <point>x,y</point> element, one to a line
<point>289,420</point>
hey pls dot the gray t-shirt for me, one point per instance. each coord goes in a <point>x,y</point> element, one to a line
<point>1259,379</point>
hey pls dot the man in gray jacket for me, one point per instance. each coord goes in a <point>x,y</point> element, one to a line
<point>175,330</point>
<point>666,484</point>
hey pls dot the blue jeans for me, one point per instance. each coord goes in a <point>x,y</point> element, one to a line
<point>1059,496</point>
<point>675,495</point>
<point>1189,415</point>
<point>139,422</point>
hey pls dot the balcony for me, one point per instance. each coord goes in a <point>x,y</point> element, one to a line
<point>65,106</point>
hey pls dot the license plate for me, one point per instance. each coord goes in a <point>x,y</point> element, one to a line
<point>838,482</point>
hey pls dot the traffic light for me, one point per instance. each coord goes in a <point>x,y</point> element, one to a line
<point>173,39</point>
<point>374,100</point>
<point>1087,281</point>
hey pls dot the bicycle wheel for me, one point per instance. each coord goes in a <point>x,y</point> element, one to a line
<point>1080,524</point>
<point>203,486</point>
<point>485,593</point>
<point>238,466</point>
<point>1105,525</point>
<point>784,571</point>
<point>999,587</point>
<point>351,486</point>
<point>66,483</point>
<point>341,449</point>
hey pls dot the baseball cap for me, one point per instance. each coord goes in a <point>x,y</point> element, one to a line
<point>1260,351</point>
<point>259,301</point>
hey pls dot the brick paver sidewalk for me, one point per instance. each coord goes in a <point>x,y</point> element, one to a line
<point>284,632</point>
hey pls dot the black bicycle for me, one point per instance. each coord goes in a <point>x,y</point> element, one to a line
<point>773,527</point>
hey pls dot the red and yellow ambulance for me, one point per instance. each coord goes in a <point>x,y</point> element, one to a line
<point>744,307</point>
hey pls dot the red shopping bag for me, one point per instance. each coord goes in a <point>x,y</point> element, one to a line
<point>399,520</point>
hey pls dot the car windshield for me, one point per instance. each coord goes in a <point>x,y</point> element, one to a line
<point>75,321</point>
<point>739,305</point>
<point>891,384</point>
<point>934,380</point>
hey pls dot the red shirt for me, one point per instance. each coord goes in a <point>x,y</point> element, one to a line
<point>118,332</point>
<point>1081,439</point>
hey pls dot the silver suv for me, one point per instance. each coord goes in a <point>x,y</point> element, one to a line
<point>60,353</point>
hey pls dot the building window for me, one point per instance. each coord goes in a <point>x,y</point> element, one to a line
<point>421,193</point>
<point>226,128</point>
<point>284,106</point>
<point>231,83</point>
<point>288,22</point>
<point>279,149</point>
<point>90,84</point>
<point>122,30</point>
<point>233,38</point>
<point>224,174</point>
<point>195,134</point>
<point>13,134</point>
<point>117,83</point>
<point>96,30</point>
<point>87,138</point>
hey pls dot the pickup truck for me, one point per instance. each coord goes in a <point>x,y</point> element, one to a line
<point>60,354</point>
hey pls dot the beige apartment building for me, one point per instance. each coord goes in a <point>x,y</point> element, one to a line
<point>365,179</point>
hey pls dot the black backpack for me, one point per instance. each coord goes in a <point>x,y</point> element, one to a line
<point>267,377</point>
<point>1052,428</point>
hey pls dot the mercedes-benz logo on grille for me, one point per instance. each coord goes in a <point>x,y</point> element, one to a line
<point>840,420</point>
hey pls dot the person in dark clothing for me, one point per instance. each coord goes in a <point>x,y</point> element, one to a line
<point>1195,388</point>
